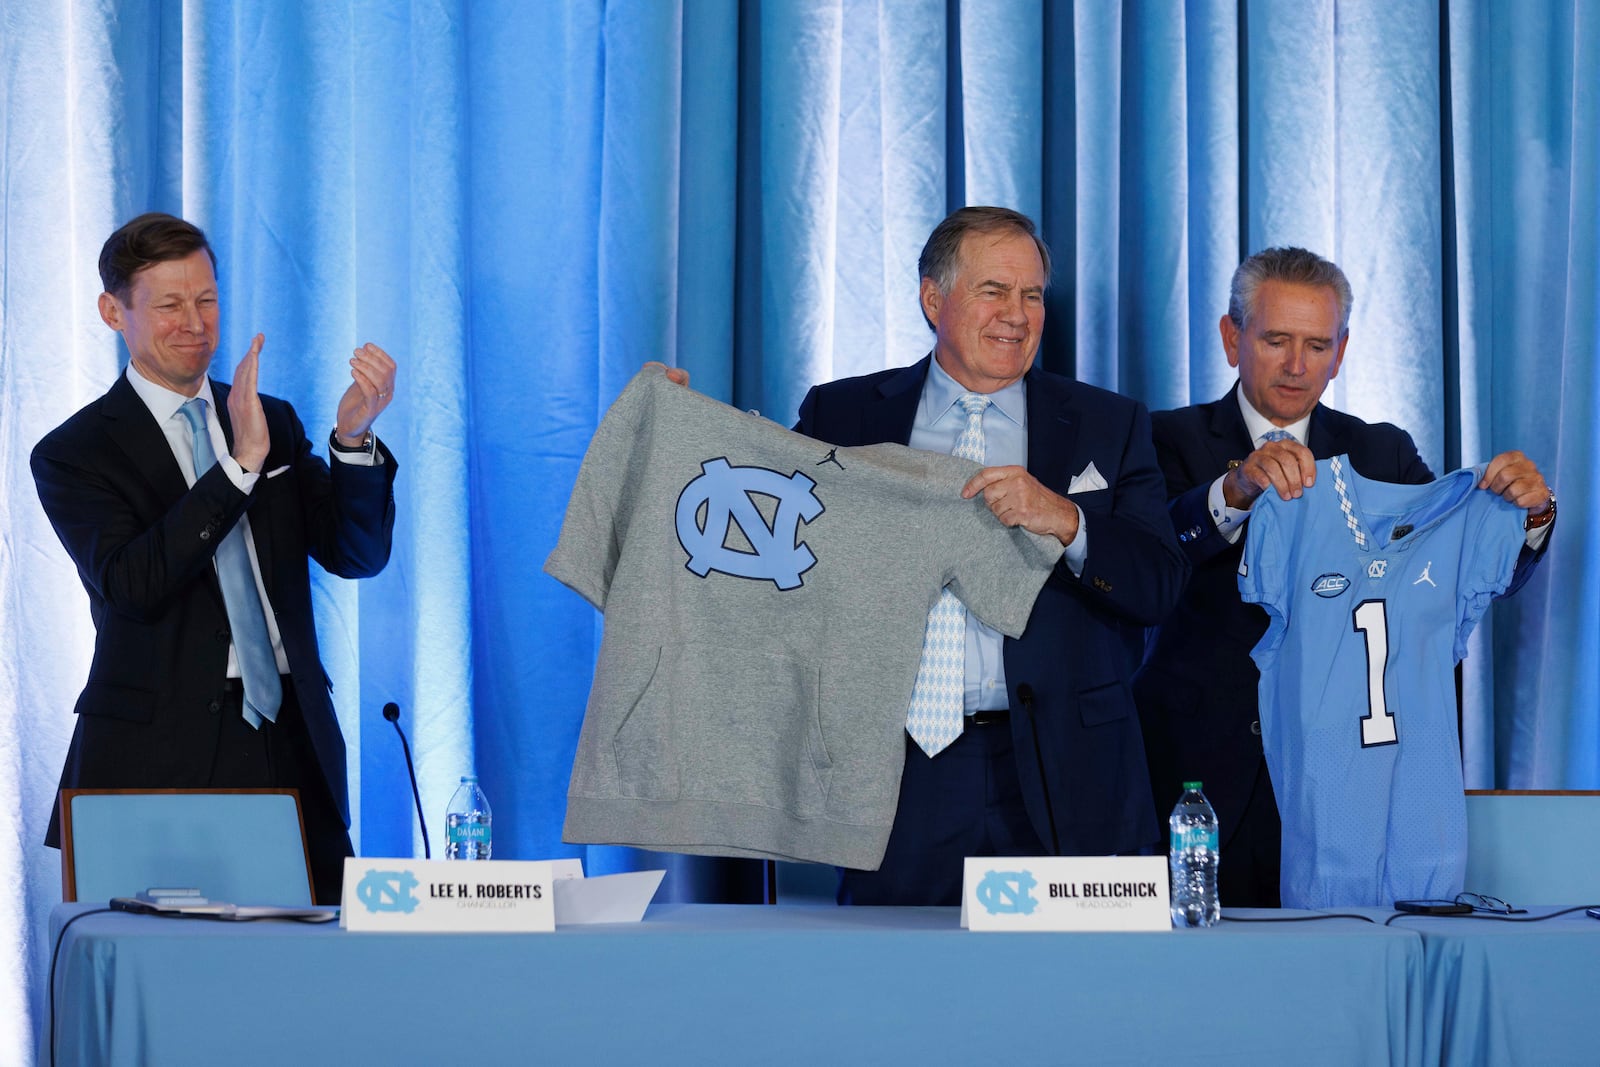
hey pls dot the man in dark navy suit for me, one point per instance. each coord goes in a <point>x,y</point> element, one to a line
<point>144,506</point>
<point>1049,759</point>
<point>1285,331</point>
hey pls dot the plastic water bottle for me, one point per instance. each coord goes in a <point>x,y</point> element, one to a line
<point>468,823</point>
<point>1193,860</point>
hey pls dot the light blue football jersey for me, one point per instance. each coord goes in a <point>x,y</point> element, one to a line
<point>1371,590</point>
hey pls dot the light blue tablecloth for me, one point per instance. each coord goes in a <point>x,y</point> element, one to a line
<point>708,984</point>
<point>1503,992</point>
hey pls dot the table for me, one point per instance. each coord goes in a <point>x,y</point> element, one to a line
<point>1509,992</point>
<point>732,984</point>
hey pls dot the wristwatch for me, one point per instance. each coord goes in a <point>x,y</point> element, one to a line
<point>1544,518</point>
<point>368,445</point>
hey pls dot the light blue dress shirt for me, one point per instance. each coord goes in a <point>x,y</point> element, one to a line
<point>938,423</point>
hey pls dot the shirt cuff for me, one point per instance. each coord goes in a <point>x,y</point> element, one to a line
<point>1078,551</point>
<point>1230,521</point>
<point>243,480</point>
<point>357,459</point>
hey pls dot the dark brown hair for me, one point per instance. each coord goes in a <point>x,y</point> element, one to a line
<point>149,239</point>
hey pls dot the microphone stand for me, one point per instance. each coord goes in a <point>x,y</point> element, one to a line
<point>391,711</point>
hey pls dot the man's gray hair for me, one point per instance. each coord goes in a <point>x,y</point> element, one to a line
<point>941,256</point>
<point>1295,266</point>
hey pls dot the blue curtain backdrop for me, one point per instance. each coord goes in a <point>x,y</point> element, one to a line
<point>525,201</point>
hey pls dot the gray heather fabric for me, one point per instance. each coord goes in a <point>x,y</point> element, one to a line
<point>751,690</point>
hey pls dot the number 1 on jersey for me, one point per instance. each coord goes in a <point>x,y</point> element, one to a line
<point>1371,619</point>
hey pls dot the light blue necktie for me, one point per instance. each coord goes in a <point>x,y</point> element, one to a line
<point>1276,435</point>
<point>263,693</point>
<point>935,718</point>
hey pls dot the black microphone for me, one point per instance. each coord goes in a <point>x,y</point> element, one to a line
<point>1025,696</point>
<point>391,711</point>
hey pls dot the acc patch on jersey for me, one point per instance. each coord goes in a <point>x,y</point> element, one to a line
<point>1329,585</point>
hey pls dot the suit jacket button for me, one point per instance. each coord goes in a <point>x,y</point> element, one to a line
<point>214,707</point>
<point>223,634</point>
<point>205,535</point>
<point>1255,727</point>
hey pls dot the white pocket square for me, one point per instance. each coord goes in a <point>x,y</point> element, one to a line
<point>1087,481</point>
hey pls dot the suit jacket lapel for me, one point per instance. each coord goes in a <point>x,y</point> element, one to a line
<point>1323,439</point>
<point>1230,437</point>
<point>1052,431</point>
<point>890,416</point>
<point>136,432</point>
<point>219,394</point>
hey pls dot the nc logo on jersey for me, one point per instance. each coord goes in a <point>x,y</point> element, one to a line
<point>776,554</point>
<point>1330,585</point>
<point>1377,568</point>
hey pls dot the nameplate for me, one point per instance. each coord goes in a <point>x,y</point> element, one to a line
<point>447,896</point>
<point>1066,893</point>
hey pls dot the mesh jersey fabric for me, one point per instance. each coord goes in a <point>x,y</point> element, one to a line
<point>1371,591</point>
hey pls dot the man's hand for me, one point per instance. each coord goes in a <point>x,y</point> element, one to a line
<point>1515,478</point>
<point>674,374</point>
<point>1287,466</point>
<point>250,437</point>
<point>1017,499</point>
<point>370,392</point>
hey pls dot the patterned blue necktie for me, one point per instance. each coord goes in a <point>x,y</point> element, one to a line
<point>1276,435</point>
<point>935,718</point>
<point>263,693</point>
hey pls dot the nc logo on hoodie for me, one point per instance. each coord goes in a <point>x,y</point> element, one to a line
<point>725,492</point>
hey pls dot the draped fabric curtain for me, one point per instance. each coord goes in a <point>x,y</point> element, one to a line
<point>523,202</point>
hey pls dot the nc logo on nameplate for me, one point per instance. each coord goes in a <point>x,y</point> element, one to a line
<point>1065,893</point>
<point>441,896</point>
